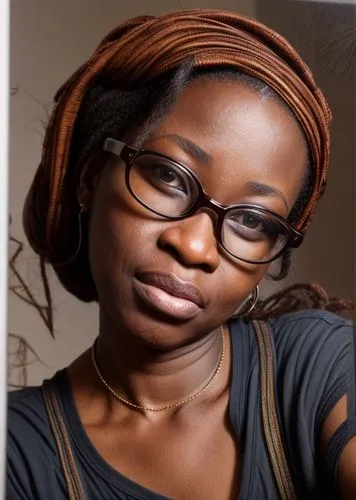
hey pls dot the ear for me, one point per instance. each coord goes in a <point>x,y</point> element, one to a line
<point>88,182</point>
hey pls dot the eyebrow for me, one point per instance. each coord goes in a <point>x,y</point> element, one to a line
<point>190,148</point>
<point>265,190</point>
<point>196,152</point>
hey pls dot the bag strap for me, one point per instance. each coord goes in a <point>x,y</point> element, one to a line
<point>70,471</point>
<point>270,421</point>
<point>271,426</point>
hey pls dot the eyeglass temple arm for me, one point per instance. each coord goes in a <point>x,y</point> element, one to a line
<point>297,239</point>
<point>119,149</point>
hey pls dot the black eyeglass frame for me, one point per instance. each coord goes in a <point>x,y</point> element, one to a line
<point>129,154</point>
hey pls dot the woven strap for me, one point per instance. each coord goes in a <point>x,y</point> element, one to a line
<point>271,427</point>
<point>70,471</point>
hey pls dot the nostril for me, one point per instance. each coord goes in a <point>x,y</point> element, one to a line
<point>169,248</point>
<point>207,268</point>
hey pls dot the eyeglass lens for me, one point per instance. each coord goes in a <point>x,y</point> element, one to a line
<point>171,191</point>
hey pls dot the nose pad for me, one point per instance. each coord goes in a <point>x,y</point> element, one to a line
<point>193,241</point>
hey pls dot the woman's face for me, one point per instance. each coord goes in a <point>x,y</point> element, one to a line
<point>244,148</point>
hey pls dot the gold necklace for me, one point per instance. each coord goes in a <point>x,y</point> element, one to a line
<point>166,407</point>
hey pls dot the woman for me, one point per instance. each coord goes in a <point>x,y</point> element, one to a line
<point>180,161</point>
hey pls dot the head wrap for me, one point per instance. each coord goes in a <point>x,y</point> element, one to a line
<point>144,48</point>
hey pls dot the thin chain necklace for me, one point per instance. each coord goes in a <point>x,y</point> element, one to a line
<point>169,406</point>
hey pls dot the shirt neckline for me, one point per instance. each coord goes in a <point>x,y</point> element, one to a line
<point>93,459</point>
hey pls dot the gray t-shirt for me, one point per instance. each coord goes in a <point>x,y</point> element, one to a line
<point>314,354</point>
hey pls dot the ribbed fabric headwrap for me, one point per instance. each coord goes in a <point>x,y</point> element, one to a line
<point>144,48</point>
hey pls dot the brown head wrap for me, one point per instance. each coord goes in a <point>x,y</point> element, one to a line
<point>144,48</point>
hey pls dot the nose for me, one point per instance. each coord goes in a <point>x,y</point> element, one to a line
<point>192,241</point>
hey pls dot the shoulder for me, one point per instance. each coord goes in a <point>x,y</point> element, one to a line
<point>304,337</point>
<point>26,413</point>
<point>315,359</point>
<point>28,424</point>
<point>26,407</point>
<point>309,320</point>
<point>315,356</point>
<point>312,334</point>
<point>307,339</point>
<point>314,353</point>
<point>21,401</point>
<point>30,445</point>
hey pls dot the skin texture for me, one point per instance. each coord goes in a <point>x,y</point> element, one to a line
<point>148,357</point>
<point>247,141</point>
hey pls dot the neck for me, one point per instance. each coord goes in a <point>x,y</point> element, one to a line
<point>152,378</point>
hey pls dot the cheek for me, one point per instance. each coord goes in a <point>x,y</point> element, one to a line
<point>114,238</point>
<point>122,233</point>
<point>112,235</point>
<point>112,213</point>
<point>235,283</point>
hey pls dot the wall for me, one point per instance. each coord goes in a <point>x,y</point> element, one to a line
<point>325,35</point>
<point>49,40</point>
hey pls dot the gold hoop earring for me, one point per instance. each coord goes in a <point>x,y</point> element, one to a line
<point>252,303</point>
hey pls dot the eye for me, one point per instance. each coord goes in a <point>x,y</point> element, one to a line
<point>165,177</point>
<point>168,175</point>
<point>162,185</point>
<point>247,220</point>
<point>251,221</point>
<point>253,226</point>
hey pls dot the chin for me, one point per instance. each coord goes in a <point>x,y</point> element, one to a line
<point>149,330</point>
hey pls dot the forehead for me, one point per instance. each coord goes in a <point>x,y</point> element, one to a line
<point>247,138</point>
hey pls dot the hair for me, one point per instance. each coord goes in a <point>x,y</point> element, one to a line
<point>107,109</point>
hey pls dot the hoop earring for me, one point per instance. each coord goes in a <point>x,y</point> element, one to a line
<point>253,302</point>
<point>82,209</point>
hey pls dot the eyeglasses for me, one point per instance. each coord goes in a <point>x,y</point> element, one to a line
<point>171,190</point>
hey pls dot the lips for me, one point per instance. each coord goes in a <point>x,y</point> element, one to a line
<point>169,294</point>
<point>173,286</point>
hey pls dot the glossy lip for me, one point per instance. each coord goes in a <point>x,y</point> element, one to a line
<point>169,295</point>
<point>173,286</point>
